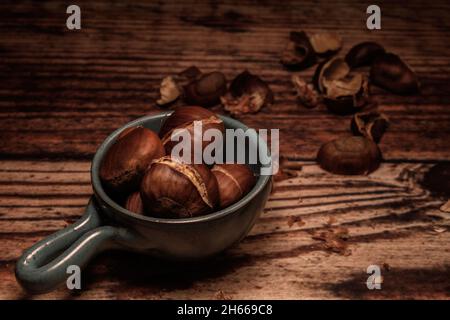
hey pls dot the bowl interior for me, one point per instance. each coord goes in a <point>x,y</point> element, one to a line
<point>154,123</point>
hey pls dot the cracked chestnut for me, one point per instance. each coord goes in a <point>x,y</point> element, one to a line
<point>125,161</point>
<point>172,189</point>
<point>370,124</point>
<point>206,90</point>
<point>234,181</point>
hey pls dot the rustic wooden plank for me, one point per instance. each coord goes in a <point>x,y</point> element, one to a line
<point>389,216</point>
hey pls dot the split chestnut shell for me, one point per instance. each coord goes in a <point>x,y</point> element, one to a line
<point>172,189</point>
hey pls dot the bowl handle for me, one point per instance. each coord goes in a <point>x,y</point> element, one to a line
<point>44,266</point>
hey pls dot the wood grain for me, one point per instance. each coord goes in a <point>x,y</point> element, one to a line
<point>62,92</point>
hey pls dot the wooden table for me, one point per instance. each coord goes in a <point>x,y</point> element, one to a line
<point>62,92</point>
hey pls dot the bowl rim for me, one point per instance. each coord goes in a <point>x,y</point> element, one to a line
<point>261,182</point>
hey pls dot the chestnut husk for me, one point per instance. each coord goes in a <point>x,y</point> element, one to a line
<point>393,74</point>
<point>247,93</point>
<point>183,118</point>
<point>125,161</point>
<point>206,90</point>
<point>171,189</point>
<point>134,203</point>
<point>298,53</point>
<point>234,181</point>
<point>354,155</point>
<point>371,124</point>
<point>363,54</point>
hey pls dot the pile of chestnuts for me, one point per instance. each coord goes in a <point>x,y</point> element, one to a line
<point>140,174</point>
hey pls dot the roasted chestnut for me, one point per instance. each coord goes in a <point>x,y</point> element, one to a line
<point>363,54</point>
<point>234,180</point>
<point>325,43</point>
<point>247,93</point>
<point>370,124</point>
<point>391,73</point>
<point>343,92</point>
<point>125,161</point>
<point>206,90</point>
<point>298,53</point>
<point>183,118</point>
<point>349,156</point>
<point>172,189</point>
<point>134,203</point>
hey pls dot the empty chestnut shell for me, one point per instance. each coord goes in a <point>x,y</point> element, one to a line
<point>125,161</point>
<point>171,87</point>
<point>370,124</point>
<point>172,189</point>
<point>248,93</point>
<point>134,203</point>
<point>298,53</point>
<point>206,90</point>
<point>363,54</point>
<point>234,180</point>
<point>343,92</point>
<point>183,118</point>
<point>391,73</point>
<point>349,156</point>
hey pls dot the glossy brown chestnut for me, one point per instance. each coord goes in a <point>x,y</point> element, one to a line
<point>172,189</point>
<point>134,203</point>
<point>183,118</point>
<point>391,73</point>
<point>206,90</point>
<point>370,124</point>
<point>234,180</point>
<point>363,54</point>
<point>349,156</point>
<point>298,53</point>
<point>125,162</point>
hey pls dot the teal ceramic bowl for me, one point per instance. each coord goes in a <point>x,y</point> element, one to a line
<point>106,225</point>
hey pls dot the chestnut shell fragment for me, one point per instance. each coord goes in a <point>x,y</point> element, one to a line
<point>234,181</point>
<point>127,159</point>
<point>391,73</point>
<point>171,189</point>
<point>370,124</point>
<point>298,53</point>
<point>363,54</point>
<point>349,156</point>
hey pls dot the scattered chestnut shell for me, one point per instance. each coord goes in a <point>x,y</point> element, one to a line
<point>306,94</point>
<point>298,53</point>
<point>234,181</point>
<point>325,43</point>
<point>370,124</point>
<point>391,73</point>
<point>343,92</point>
<point>172,189</point>
<point>183,118</point>
<point>247,93</point>
<point>171,87</point>
<point>363,54</point>
<point>349,156</point>
<point>134,203</point>
<point>206,90</point>
<point>126,160</point>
